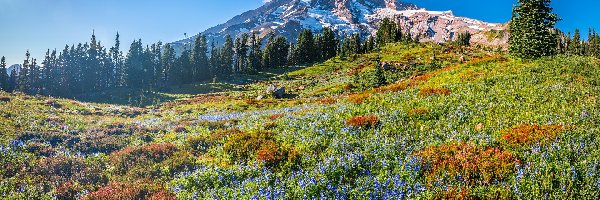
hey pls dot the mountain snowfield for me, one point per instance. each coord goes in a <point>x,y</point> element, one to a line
<point>289,17</point>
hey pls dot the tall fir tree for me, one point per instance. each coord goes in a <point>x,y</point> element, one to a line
<point>532,29</point>
<point>329,44</point>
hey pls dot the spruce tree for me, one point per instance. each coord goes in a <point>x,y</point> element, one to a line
<point>3,75</point>
<point>532,29</point>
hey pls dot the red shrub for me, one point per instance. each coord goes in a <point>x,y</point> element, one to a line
<point>179,129</point>
<point>67,191</point>
<point>434,91</point>
<point>525,134</point>
<point>61,169</point>
<point>141,155</point>
<point>119,191</point>
<point>242,145</point>
<point>473,164</point>
<point>276,116</point>
<point>363,121</point>
<point>273,154</point>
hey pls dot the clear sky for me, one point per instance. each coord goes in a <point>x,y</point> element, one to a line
<point>41,24</point>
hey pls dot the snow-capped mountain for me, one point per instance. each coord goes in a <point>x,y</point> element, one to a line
<point>17,68</point>
<point>289,17</point>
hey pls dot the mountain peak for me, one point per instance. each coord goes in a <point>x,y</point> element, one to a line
<point>288,17</point>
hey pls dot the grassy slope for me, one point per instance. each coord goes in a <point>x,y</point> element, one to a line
<point>461,111</point>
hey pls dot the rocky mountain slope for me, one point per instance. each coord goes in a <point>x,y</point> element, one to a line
<point>288,17</point>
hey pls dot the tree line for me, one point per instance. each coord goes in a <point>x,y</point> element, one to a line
<point>92,67</point>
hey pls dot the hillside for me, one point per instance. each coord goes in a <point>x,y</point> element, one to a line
<point>490,127</point>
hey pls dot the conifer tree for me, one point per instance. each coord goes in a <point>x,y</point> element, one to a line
<point>594,44</point>
<point>305,48</point>
<point>463,39</point>
<point>3,75</point>
<point>329,44</point>
<point>157,65</point>
<point>292,55</point>
<point>267,57</point>
<point>254,57</point>
<point>134,64</point>
<point>215,61</point>
<point>168,63</point>
<point>241,53</point>
<point>200,59</point>
<point>388,32</point>
<point>12,80</point>
<point>117,59</point>
<point>226,55</point>
<point>532,29</point>
<point>23,80</point>
<point>575,45</point>
<point>182,71</point>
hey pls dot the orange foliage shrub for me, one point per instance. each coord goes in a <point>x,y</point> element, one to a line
<point>421,78</point>
<point>395,87</point>
<point>328,101</point>
<point>434,91</point>
<point>358,98</point>
<point>418,111</point>
<point>475,165</point>
<point>525,134</point>
<point>363,121</point>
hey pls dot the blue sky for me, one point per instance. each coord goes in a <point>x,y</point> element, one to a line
<point>41,24</point>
